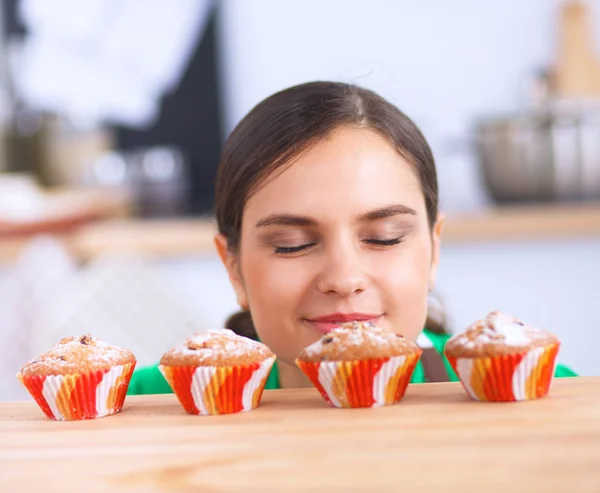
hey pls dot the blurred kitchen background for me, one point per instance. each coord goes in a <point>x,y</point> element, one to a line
<point>113,114</point>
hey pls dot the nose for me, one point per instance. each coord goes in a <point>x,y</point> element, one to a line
<point>343,272</point>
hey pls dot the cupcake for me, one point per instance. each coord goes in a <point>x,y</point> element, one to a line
<point>360,365</point>
<point>79,378</point>
<point>218,372</point>
<point>502,359</point>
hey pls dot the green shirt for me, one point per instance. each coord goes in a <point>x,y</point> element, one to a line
<point>149,380</point>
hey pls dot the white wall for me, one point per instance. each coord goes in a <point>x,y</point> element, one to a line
<point>443,62</point>
<point>550,284</point>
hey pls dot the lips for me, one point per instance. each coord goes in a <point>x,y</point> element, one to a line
<point>327,323</point>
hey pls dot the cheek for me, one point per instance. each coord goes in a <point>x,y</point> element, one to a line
<point>405,287</point>
<point>273,282</point>
<point>276,289</point>
<point>408,267</point>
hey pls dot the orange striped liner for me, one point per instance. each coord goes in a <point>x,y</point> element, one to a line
<point>362,383</point>
<point>509,378</point>
<point>215,390</point>
<point>80,396</point>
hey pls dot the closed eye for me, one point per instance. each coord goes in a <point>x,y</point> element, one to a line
<point>390,242</point>
<point>281,250</point>
<point>285,250</point>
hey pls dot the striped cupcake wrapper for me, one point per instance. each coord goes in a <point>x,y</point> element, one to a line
<point>362,383</point>
<point>212,390</point>
<point>82,395</point>
<point>509,378</point>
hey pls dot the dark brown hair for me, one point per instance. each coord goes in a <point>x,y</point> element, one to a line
<point>287,124</point>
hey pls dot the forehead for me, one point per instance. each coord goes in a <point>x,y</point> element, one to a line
<point>351,171</point>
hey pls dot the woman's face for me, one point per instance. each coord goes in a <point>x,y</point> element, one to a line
<point>342,234</point>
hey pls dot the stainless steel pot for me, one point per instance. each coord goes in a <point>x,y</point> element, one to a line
<point>548,153</point>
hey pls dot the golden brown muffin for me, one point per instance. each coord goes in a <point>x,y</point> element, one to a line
<point>502,359</point>
<point>79,378</point>
<point>360,365</point>
<point>80,354</point>
<point>220,347</point>
<point>217,372</point>
<point>355,341</point>
<point>496,335</point>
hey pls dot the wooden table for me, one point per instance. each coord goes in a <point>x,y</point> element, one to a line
<point>435,440</point>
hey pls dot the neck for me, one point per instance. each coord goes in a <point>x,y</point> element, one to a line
<point>291,377</point>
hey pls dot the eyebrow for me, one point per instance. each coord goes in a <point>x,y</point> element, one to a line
<point>285,220</point>
<point>388,211</point>
<point>295,220</point>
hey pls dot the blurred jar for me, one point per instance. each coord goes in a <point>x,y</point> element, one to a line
<point>160,177</point>
<point>157,179</point>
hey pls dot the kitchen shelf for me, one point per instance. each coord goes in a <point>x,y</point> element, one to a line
<point>525,223</point>
<point>184,237</point>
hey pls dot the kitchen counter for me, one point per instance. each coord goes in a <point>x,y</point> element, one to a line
<point>182,237</point>
<point>434,440</point>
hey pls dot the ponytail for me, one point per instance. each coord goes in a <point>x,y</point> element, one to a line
<point>241,323</point>
<point>437,319</point>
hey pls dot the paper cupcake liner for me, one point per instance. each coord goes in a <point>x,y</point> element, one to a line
<point>509,378</point>
<point>212,390</point>
<point>362,383</point>
<point>80,395</point>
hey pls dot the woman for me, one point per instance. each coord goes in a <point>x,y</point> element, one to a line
<point>327,210</point>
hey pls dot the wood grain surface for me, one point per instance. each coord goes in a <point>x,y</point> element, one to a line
<point>434,440</point>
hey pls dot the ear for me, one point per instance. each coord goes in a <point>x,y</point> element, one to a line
<point>435,251</point>
<point>231,263</point>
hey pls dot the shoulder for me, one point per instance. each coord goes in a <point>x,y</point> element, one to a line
<point>148,380</point>
<point>427,338</point>
<point>564,371</point>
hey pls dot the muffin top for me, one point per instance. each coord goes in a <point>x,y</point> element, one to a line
<point>358,341</point>
<point>78,354</point>
<point>216,347</point>
<point>498,334</point>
